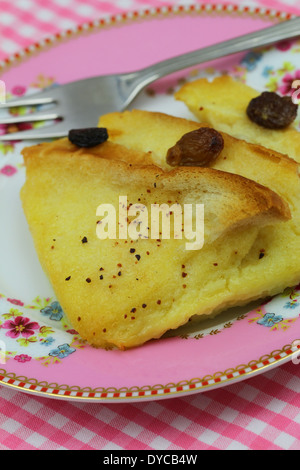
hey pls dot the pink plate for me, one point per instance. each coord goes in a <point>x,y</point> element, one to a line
<point>40,352</point>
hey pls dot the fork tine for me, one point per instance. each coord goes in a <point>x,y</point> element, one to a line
<point>46,132</point>
<point>30,101</point>
<point>38,116</point>
<point>41,97</point>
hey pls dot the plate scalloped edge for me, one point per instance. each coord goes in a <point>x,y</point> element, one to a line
<point>241,372</point>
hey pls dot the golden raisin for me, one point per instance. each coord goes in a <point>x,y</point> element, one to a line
<point>272,111</point>
<point>197,148</point>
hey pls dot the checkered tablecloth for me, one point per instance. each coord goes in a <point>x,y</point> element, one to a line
<point>260,413</point>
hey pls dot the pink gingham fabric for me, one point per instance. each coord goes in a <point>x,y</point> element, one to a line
<point>25,21</point>
<point>261,413</point>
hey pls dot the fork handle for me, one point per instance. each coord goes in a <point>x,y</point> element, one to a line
<point>285,30</point>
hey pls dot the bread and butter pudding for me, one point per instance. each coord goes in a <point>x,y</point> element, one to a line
<point>124,292</point>
<point>222,103</point>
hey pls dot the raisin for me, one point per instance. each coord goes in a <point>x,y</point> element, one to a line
<point>89,137</point>
<point>272,111</point>
<point>197,148</point>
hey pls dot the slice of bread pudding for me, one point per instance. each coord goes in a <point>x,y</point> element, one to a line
<point>123,291</point>
<point>222,103</point>
<point>280,245</point>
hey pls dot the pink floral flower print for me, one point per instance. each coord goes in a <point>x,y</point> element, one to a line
<point>72,332</point>
<point>8,170</point>
<point>284,45</point>
<point>20,326</point>
<point>16,302</point>
<point>286,84</point>
<point>9,128</point>
<point>3,129</point>
<point>22,358</point>
<point>24,126</point>
<point>18,90</point>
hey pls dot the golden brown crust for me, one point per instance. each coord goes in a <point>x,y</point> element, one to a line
<point>248,198</point>
<point>65,148</point>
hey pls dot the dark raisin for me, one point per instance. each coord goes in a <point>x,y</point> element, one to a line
<point>89,137</point>
<point>197,148</point>
<point>272,111</point>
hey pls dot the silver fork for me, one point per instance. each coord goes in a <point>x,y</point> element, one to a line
<point>79,104</point>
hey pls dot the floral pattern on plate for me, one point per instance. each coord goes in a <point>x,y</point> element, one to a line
<point>279,312</point>
<point>44,336</point>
